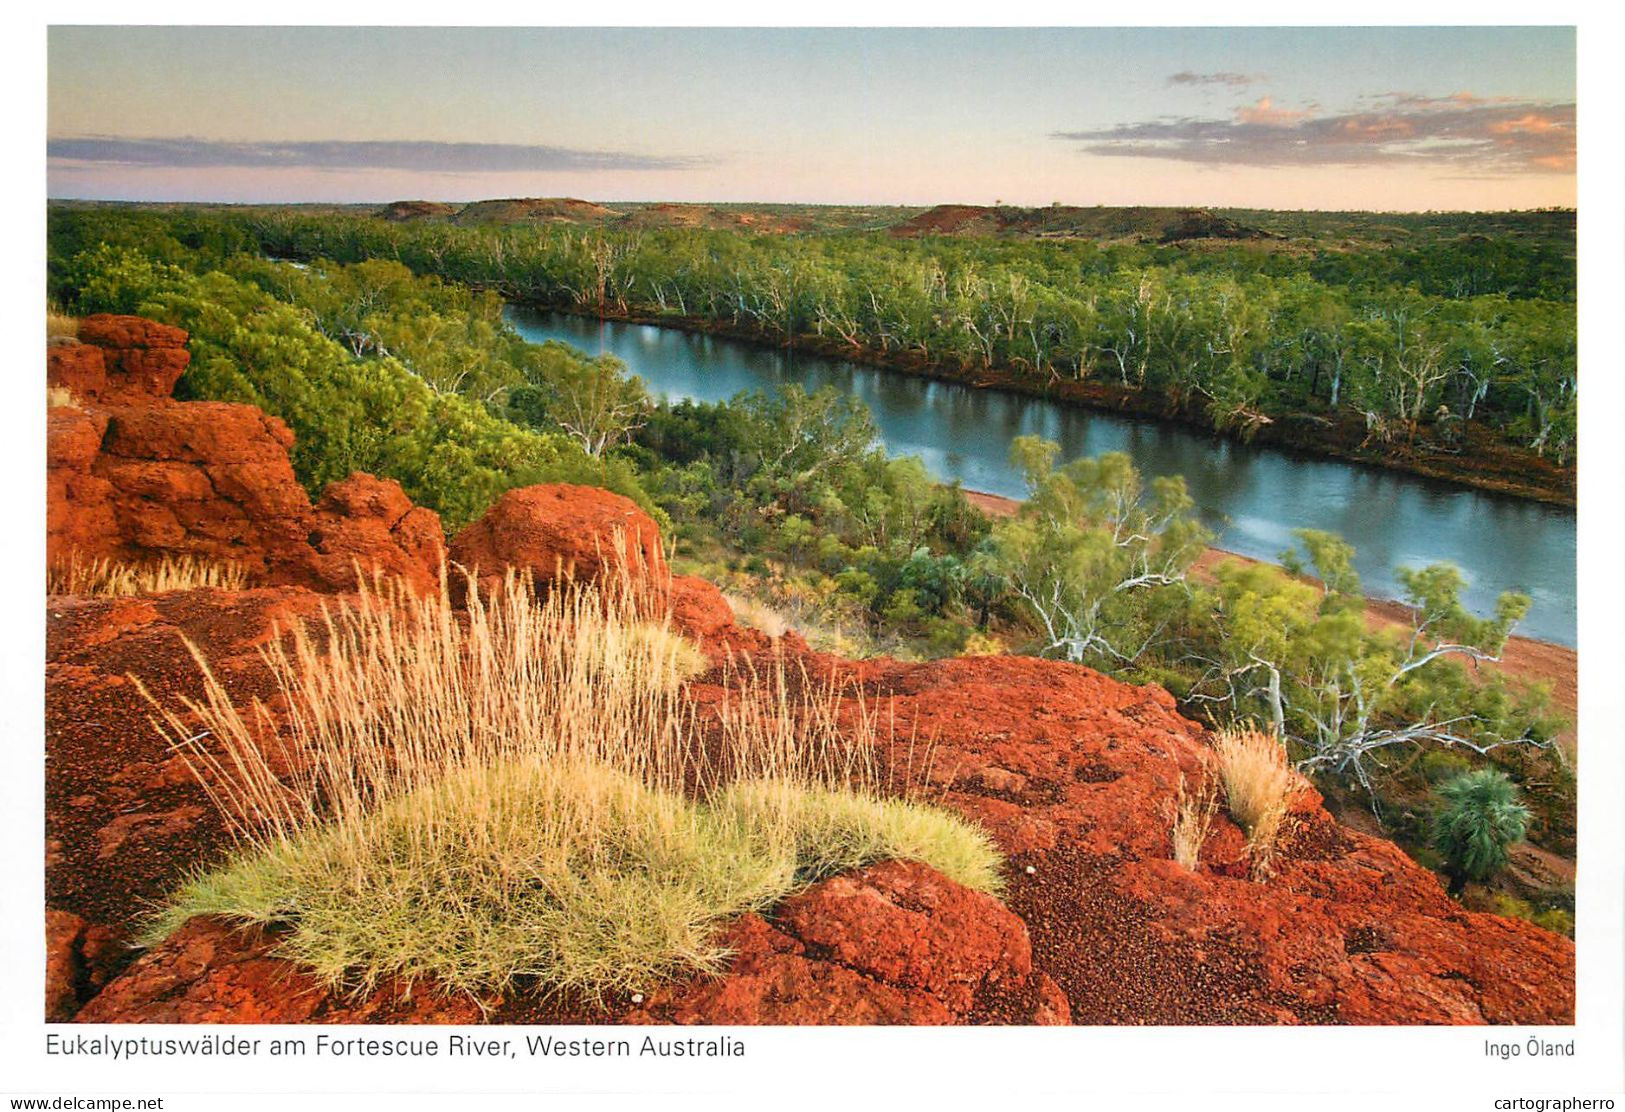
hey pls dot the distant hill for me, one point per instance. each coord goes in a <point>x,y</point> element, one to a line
<point>761,219</point>
<point>1156,225</point>
<point>536,210</point>
<point>667,214</point>
<point>416,210</point>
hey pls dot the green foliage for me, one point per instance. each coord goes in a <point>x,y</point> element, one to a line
<point>352,402</point>
<point>1099,563</point>
<point>1465,321</point>
<point>1303,658</point>
<point>1478,817</point>
<point>799,476</point>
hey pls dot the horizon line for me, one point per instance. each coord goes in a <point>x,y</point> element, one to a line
<point>791,204</point>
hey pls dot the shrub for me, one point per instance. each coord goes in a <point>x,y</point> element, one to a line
<point>1477,818</point>
<point>525,793</point>
<point>1559,920</point>
<point>107,578</point>
<point>1258,783</point>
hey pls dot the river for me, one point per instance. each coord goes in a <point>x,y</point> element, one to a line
<point>1252,498</point>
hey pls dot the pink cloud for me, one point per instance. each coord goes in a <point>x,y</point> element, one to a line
<point>1265,114</point>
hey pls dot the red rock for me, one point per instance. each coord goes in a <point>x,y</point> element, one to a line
<point>149,822</point>
<point>212,433</point>
<point>119,332</point>
<point>139,476</point>
<point>63,930</point>
<point>369,523</point>
<point>1132,937</point>
<point>78,505</point>
<point>698,608</point>
<point>136,360</point>
<point>73,437</point>
<point>79,959</point>
<point>894,943</point>
<point>908,925</point>
<point>144,826</point>
<point>210,972</point>
<point>556,531</point>
<point>78,368</point>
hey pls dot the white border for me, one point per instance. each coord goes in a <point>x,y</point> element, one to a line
<point>1345,1067</point>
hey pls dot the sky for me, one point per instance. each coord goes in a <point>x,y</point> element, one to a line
<point>1407,118</point>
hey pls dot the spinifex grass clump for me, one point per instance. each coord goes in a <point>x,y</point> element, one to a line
<point>107,578</point>
<point>525,792</point>
<point>1258,785</point>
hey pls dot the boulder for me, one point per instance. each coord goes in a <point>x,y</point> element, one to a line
<point>120,360</point>
<point>558,531</point>
<point>369,523</point>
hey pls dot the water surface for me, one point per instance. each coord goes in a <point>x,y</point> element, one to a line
<point>1251,497</point>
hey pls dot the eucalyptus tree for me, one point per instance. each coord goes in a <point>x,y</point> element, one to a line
<point>1301,654</point>
<point>1098,561</point>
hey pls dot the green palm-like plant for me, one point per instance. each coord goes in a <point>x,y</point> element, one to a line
<point>1479,816</point>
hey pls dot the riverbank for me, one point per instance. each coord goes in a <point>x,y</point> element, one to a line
<point>1523,658</point>
<point>1480,460</point>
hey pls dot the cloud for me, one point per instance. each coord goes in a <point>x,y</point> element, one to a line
<point>1265,114</point>
<point>1234,80</point>
<point>1461,132</point>
<point>419,155</point>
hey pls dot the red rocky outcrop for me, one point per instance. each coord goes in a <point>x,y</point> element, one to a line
<point>556,530</point>
<point>120,360</point>
<point>1075,776</point>
<point>210,972</point>
<point>133,474</point>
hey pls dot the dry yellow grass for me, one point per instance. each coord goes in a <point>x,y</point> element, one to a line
<point>1258,786</point>
<point>757,615</point>
<point>107,578</point>
<point>60,328</point>
<point>59,396</point>
<point>1193,818</point>
<point>526,792</point>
